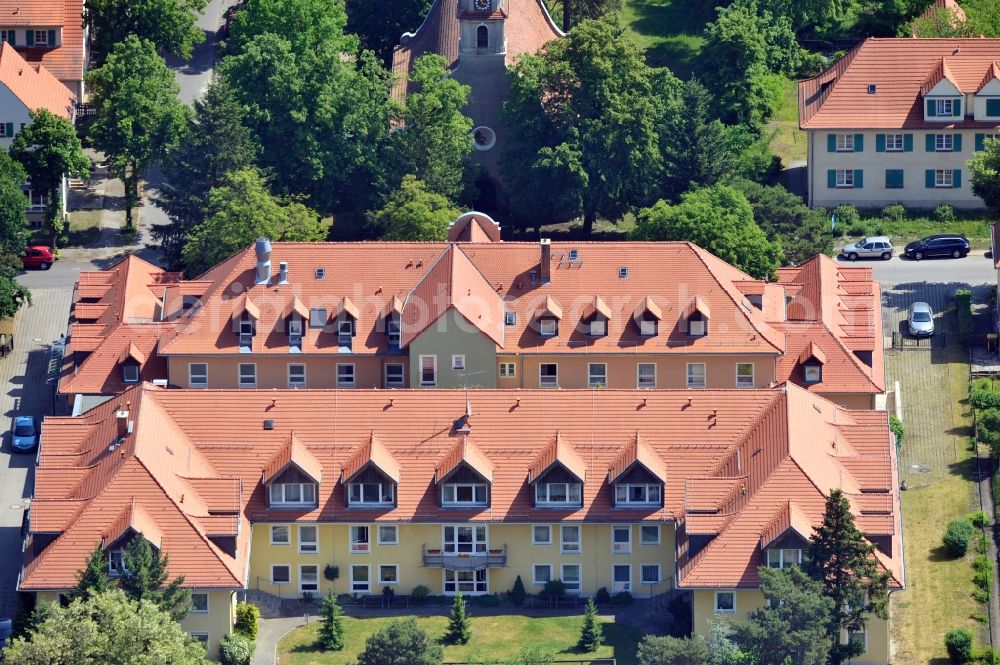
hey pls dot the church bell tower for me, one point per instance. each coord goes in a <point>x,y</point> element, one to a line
<point>482,29</point>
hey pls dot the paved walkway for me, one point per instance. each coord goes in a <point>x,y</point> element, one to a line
<point>270,633</point>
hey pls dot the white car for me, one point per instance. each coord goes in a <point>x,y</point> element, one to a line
<point>878,247</point>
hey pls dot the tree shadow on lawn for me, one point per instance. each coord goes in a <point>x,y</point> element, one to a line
<point>624,639</point>
<point>674,27</point>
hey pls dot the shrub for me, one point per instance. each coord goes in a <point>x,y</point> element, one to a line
<point>487,600</point>
<point>459,629</point>
<point>331,631</point>
<point>894,212</point>
<point>623,598</point>
<point>983,393</point>
<point>957,536</point>
<point>981,596</point>
<point>401,642</point>
<point>419,594</point>
<point>847,216</point>
<point>602,597</point>
<point>857,229</point>
<point>979,617</point>
<point>518,594</point>
<point>247,618</point>
<point>978,519</point>
<point>963,302</point>
<point>897,427</point>
<point>989,656</point>
<point>331,572</point>
<point>591,635</point>
<point>235,649</point>
<point>553,589</point>
<point>958,642</point>
<point>988,426</point>
<point>944,213</point>
<point>984,572</point>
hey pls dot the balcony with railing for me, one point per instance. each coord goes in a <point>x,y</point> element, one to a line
<point>436,558</point>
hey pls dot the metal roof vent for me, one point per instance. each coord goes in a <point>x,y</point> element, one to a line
<point>872,88</point>
<point>268,424</point>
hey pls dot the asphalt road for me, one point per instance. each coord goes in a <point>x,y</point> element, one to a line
<point>974,269</point>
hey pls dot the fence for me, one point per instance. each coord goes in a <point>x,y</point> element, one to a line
<point>905,342</point>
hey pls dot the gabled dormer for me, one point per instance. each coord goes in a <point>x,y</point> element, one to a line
<point>811,360</point>
<point>131,362</point>
<point>134,521</point>
<point>370,477</point>
<point>246,314</point>
<point>547,317</point>
<point>943,100</point>
<point>296,317</point>
<point>556,477</point>
<point>293,476</point>
<point>596,316</point>
<point>786,539</point>
<point>464,477</point>
<point>638,476</point>
<point>647,317</point>
<point>346,321</point>
<point>696,316</point>
<point>987,98</point>
<point>393,323</point>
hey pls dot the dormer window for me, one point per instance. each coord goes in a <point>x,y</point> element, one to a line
<point>638,476</point>
<point>116,565</point>
<point>292,494</point>
<point>783,558</point>
<point>638,494</point>
<point>598,327</point>
<point>647,327</point>
<point>393,332</point>
<point>696,316</point>
<point>130,372</point>
<point>293,475</point>
<point>455,495</point>
<point>369,494</point>
<point>697,326</point>
<point>295,328</point>
<point>812,372</point>
<point>548,315</point>
<point>812,360</point>
<point>558,494</point>
<point>345,332</point>
<point>464,476</point>
<point>548,327</point>
<point>246,330</point>
<point>945,107</point>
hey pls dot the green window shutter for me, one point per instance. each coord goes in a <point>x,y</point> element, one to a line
<point>894,179</point>
<point>859,143</point>
<point>931,108</point>
<point>880,143</point>
<point>958,143</point>
<point>831,143</point>
<point>52,37</point>
<point>859,178</point>
<point>831,179</point>
<point>980,142</point>
<point>956,178</point>
<point>29,37</point>
<point>929,178</point>
<point>993,107</point>
<point>12,37</point>
<point>9,129</point>
<point>907,142</point>
<point>930,143</point>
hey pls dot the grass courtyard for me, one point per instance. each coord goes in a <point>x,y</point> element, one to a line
<point>494,637</point>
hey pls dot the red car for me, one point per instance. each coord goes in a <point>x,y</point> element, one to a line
<point>38,256</point>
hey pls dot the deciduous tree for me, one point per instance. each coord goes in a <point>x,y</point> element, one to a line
<point>13,295</point>
<point>139,116</point>
<point>170,24</point>
<point>309,25</point>
<point>414,213</point>
<point>144,577</point>
<point>718,219</point>
<point>402,642</point>
<point>13,204</point>
<point>49,149</point>
<point>803,232</point>
<point>379,30</point>
<point>985,168</point>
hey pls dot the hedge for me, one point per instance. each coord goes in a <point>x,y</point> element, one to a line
<point>963,301</point>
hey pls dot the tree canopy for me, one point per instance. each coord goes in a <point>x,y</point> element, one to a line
<point>240,210</point>
<point>582,126</point>
<point>985,169</point>
<point>94,575</point>
<point>144,576</point>
<point>139,115</point>
<point>106,629</point>
<point>402,642</point>
<point>379,30</point>
<point>803,232</point>
<point>13,204</point>
<point>414,213</point>
<point>309,25</point>
<point>171,25</point>
<point>718,219</point>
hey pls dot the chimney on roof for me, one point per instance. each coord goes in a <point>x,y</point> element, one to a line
<point>263,249</point>
<point>546,260</point>
<point>283,272</point>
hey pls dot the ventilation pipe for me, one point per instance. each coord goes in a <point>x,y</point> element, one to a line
<point>283,272</point>
<point>263,249</point>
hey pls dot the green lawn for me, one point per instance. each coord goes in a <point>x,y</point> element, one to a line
<point>787,140</point>
<point>668,30</point>
<point>494,637</point>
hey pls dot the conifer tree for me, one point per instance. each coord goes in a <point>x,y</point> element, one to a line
<point>144,576</point>
<point>331,633</point>
<point>592,635</point>
<point>458,622</point>
<point>94,576</point>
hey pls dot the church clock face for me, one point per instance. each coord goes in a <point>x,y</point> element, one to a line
<point>483,5</point>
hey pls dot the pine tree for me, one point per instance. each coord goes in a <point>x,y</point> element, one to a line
<point>458,622</point>
<point>331,632</point>
<point>94,576</point>
<point>844,563</point>
<point>591,635</point>
<point>144,576</point>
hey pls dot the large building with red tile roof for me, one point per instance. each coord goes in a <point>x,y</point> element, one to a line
<point>896,121</point>
<point>460,490</point>
<point>49,33</point>
<point>476,311</point>
<point>479,40</point>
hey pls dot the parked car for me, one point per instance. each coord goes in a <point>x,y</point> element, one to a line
<point>877,247</point>
<point>38,256</point>
<point>940,244</point>
<point>25,434</point>
<point>920,320</point>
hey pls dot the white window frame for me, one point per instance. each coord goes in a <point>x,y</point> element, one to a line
<point>642,535</point>
<point>130,373</point>
<point>949,103</point>
<point>455,502</point>
<point>41,38</point>
<point>434,365</point>
<point>845,142</point>
<point>616,586</point>
<point>621,547</point>
<point>697,327</point>
<point>386,495</point>
<point>572,588</point>
<point>548,382</point>
<point>745,384</point>
<point>543,497</point>
<point>302,493</point>
<point>201,636</point>
<point>548,327</point>
<point>510,318</point>
<point>570,547</point>
<point>192,376</point>
<point>845,178</point>
<point>944,143</point>
<point>477,545</point>
<point>812,373</point>
<point>690,383</point>
<point>598,327</point>
<point>116,564</point>
<point>239,375</point>
<point>508,370</point>
<point>288,534</point>
<point>395,535</point>
<point>548,530</point>
<point>780,560</point>
<point>401,383</point>
<point>281,565</point>
<point>296,383</point>
<point>642,577</point>
<point>732,596</point>
<point>944,178</point>
<point>458,362</point>
<point>623,495</point>
<point>345,332</point>
<point>383,582</point>
<point>595,380</point>
<point>355,544</point>
<point>393,331</point>
<point>302,578</point>
<point>638,375</point>
<point>195,610</point>
<point>345,383</point>
<point>894,143</point>
<point>534,573</point>
<point>308,546</point>
<point>647,327</point>
<point>368,582</point>
<point>457,583</point>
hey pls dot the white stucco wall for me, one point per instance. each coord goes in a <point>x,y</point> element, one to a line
<point>12,110</point>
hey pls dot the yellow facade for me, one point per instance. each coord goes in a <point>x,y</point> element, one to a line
<point>595,558</point>
<point>746,601</point>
